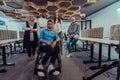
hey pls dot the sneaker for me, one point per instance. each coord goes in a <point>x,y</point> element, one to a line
<point>69,55</point>
<point>41,73</point>
<point>50,68</point>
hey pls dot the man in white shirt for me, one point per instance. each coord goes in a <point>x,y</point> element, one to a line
<point>42,22</point>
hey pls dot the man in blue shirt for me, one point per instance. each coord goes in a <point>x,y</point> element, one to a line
<point>49,41</point>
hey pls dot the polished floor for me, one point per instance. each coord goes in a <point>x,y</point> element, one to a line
<point>72,68</point>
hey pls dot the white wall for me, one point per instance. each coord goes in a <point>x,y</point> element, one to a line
<point>11,24</point>
<point>106,17</point>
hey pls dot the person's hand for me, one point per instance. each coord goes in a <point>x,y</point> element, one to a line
<point>48,43</point>
<point>56,31</point>
<point>53,44</point>
<point>71,35</point>
<point>31,29</point>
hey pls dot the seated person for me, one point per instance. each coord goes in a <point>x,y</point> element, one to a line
<point>73,34</point>
<point>49,40</point>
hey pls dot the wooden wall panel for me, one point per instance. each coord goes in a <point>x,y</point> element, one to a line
<point>8,34</point>
<point>115,32</point>
<point>92,33</point>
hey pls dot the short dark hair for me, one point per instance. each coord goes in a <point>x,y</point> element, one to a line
<point>49,21</point>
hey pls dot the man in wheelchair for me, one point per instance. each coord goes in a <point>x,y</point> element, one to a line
<point>49,40</point>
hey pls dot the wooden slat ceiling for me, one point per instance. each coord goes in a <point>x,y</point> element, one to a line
<point>66,8</point>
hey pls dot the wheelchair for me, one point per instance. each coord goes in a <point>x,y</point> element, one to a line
<point>40,55</point>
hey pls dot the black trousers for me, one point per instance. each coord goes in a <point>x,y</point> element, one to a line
<point>50,52</point>
<point>31,49</point>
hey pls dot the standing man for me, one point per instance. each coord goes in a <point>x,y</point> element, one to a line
<point>42,22</point>
<point>73,35</point>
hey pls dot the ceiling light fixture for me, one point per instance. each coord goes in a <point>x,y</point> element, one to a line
<point>92,1</point>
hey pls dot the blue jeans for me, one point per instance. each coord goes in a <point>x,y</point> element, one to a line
<point>71,43</point>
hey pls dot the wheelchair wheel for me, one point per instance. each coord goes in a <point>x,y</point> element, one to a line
<point>38,59</point>
<point>40,56</point>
